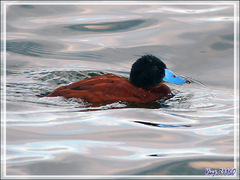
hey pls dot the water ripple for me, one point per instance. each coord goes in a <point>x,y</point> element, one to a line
<point>186,11</point>
<point>117,150</point>
<point>107,26</point>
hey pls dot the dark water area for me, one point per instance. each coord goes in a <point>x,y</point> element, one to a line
<point>53,45</point>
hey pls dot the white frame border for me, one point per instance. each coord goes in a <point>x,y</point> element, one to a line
<point>3,85</point>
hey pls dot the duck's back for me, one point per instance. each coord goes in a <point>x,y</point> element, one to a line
<point>111,88</point>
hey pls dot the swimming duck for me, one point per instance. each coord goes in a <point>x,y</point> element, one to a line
<point>145,84</point>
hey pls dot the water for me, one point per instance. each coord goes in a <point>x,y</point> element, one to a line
<point>53,45</point>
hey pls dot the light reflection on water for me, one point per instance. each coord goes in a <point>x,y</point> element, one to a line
<point>50,46</point>
<point>184,10</point>
<point>47,150</point>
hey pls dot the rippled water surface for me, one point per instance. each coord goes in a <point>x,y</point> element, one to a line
<point>53,45</point>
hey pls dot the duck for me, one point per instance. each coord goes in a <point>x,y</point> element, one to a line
<point>145,84</point>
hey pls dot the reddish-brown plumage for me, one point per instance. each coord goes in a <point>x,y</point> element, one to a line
<point>111,88</point>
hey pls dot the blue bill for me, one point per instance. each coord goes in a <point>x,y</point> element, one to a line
<point>172,78</point>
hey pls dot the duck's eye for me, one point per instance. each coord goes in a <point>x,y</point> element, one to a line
<point>155,68</point>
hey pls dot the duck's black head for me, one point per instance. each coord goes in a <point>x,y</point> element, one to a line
<point>147,71</point>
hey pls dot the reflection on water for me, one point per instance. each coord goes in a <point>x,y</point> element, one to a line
<point>51,46</point>
<point>105,27</point>
<point>25,48</point>
<point>185,10</point>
